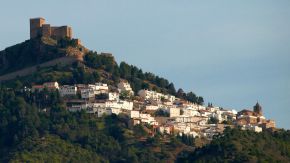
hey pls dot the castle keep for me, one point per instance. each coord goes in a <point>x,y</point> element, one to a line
<point>38,28</point>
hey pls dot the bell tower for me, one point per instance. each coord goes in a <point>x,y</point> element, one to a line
<point>258,109</point>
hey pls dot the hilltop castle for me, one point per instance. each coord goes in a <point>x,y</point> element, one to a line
<point>38,28</point>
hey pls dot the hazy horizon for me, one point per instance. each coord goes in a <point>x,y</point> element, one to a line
<point>231,53</point>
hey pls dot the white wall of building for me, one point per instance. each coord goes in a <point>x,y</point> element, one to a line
<point>67,90</point>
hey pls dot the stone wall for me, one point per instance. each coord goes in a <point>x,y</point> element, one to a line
<point>35,25</point>
<point>61,32</point>
<point>46,30</point>
<point>38,28</point>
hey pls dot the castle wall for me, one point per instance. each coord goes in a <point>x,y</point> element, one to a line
<point>39,28</point>
<point>61,32</point>
<point>46,30</point>
<point>69,32</point>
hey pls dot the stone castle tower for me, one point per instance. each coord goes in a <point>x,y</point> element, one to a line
<point>38,28</point>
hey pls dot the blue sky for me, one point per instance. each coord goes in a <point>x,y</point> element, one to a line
<point>233,53</point>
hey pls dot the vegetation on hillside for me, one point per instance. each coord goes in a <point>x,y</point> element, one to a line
<point>243,146</point>
<point>51,148</point>
<point>35,51</point>
<point>136,77</point>
<point>26,54</point>
<point>33,123</point>
<point>37,127</point>
<point>95,68</point>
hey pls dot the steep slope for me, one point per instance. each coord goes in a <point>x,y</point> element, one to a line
<point>30,135</point>
<point>36,51</point>
<point>44,59</point>
<point>52,149</point>
<point>243,146</point>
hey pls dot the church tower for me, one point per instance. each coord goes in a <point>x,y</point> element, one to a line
<point>258,109</point>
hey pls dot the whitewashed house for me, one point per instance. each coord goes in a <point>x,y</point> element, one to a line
<point>165,129</point>
<point>87,93</point>
<point>184,119</point>
<point>116,111</point>
<point>134,114</point>
<point>78,107</point>
<point>205,113</point>
<point>151,107</point>
<point>51,86</point>
<point>170,98</point>
<point>126,105</point>
<point>125,86</point>
<point>150,95</point>
<point>189,111</point>
<point>174,112</point>
<point>254,128</point>
<point>212,109</point>
<point>113,96</point>
<point>182,127</point>
<point>202,122</point>
<point>146,118</point>
<point>91,90</point>
<point>67,90</point>
<point>102,87</point>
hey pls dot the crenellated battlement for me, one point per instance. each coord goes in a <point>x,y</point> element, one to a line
<point>38,28</point>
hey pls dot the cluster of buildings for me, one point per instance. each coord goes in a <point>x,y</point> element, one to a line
<point>165,113</point>
<point>254,120</point>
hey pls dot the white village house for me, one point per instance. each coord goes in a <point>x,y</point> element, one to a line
<point>125,86</point>
<point>67,90</point>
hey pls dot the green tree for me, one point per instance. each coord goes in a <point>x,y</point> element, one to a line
<point>161,113</point>
<point>191,97</point>
<point>213,120</point>
<point>125,70</point>
<point>125,95</point>
<point>171,89</point>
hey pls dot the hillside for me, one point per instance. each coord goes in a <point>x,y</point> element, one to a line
<point>28,134</point>
<point>78,136</point>
<point>53,149</point>
<point>243,146</point>
<point>89,67</point>
<point>36,51</point>
<point>37,126</point>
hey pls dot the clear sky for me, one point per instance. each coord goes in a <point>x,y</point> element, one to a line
<point>233,53</point>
